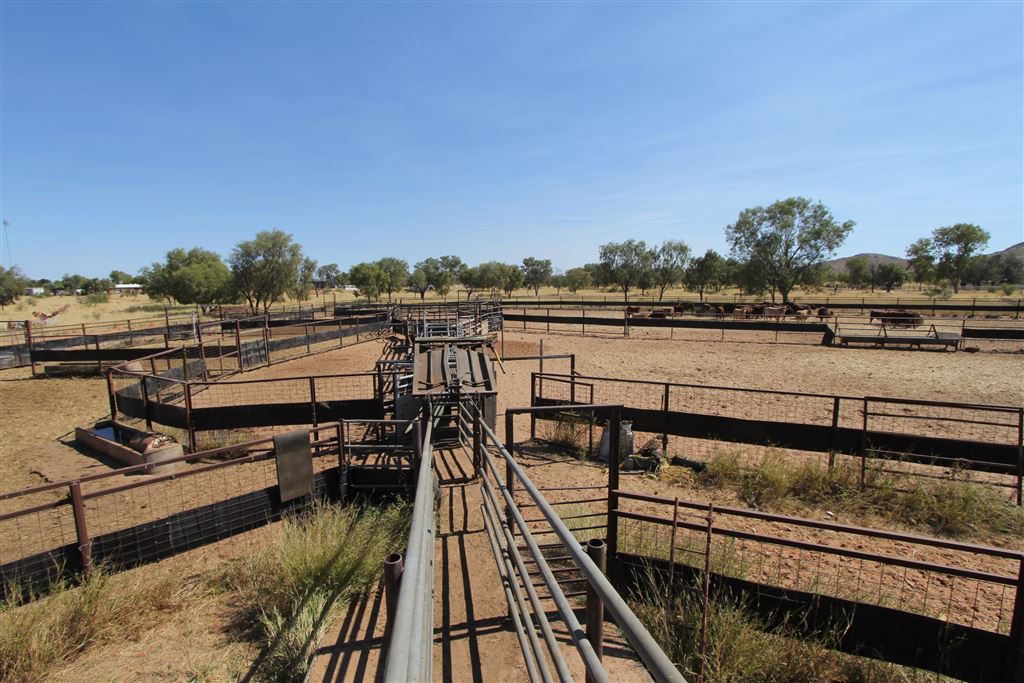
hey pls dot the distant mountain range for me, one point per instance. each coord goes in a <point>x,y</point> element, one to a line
<point>839,264</point>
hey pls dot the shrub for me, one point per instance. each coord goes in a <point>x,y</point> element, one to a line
<point>95,298</point>
<point>568,432</point>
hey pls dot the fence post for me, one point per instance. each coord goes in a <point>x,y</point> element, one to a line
<point>309,350</point>
<point>312,398</point>
<point>1015,651</point>
<point>393,568</point>
<point>110,392</point>
<point>705,594</point>
<point>612,535</point>
<point>145,403</point>
<point>167,321</point>
<point>664,432</point>
<point>510,482</point>
<point>533,403</point>
<point>238,345</point>
<point>28,340</point>
<point>82,531</point>
<point>188,418</point>
<point>184,363</point>
<point>596,549</point>
<point>99,361</point>
<point>540,379</point>
<point>832,436</point>
<point>477,438</point>
<point>584,312</point>
<point>341,335</point>
<point>864,445</point>
<point>1020,457</point>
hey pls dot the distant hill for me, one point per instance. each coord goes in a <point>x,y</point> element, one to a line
<point>1016,250</point>
<point>839,264</point>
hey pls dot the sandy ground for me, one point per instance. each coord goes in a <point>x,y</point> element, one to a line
<point>471,644</point>
<point>993,378</point>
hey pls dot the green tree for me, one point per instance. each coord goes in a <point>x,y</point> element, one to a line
<point>12,285</point>
<point>454,266</point>
<point>304,279</point>
<point>858,272</point>
<point>512,278</point>
<point>205,283</point>
<point>704,272</point>
<point>628,264</point>
<point>922,261</point>
<point>536,273</point>
<point>558,282</point>
<point>395,274</point>
<point>119,277</point>
<point>600,276</point>
<point>669,266</point>
<point>266,267</point>
<point>787,240</point>
<point>437,274</point>
<point>470,280</point>
<point>368,278</point>
<point>197,276</point>
<point>889,275</point>
<point>577,279</point>
<point>329,275</point>
<point>955,247</point>
<point>418,281</point>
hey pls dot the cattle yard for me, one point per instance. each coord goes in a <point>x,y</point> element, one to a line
<point>558,546</point>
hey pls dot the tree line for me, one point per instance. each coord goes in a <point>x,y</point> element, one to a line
<point>773,250</point>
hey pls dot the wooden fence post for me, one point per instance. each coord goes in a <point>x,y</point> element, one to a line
<point>81,530</point>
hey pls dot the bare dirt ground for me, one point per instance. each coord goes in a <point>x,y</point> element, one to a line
<point>472,643</point>
<point>992,378</point>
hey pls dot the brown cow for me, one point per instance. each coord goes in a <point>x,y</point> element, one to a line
<point>896,317</point>
<point>824,313</point>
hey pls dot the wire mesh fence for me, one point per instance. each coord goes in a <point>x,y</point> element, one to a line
<point>696,422</point>
<point>732,323</point>
<point>136,514</point>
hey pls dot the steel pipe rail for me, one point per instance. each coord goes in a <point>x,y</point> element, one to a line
<point>653,657</point>
<point>410,656</point>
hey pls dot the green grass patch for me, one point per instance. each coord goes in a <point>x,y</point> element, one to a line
<point>948,507</point>
<point>290,590</point>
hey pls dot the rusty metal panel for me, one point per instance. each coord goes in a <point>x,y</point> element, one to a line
<point>294,464</point>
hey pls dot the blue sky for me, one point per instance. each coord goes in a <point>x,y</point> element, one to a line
<point>498,131</point>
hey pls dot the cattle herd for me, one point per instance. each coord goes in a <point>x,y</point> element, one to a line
<point>763,310</point>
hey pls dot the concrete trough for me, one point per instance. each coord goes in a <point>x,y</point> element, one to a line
<point>112,439</point>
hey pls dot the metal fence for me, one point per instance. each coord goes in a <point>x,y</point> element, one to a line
<point>131,515</point>
<point>513,539</point>
<point>722,324</point>
<point>961,615</point>
<point>932,604</point>
<point>1013,307</point>
<point>693,422</point>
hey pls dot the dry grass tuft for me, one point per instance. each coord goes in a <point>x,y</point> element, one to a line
<point>290,591</point>
<point>947,507</point>
<point>37,637</point>
<point>741,647</point>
